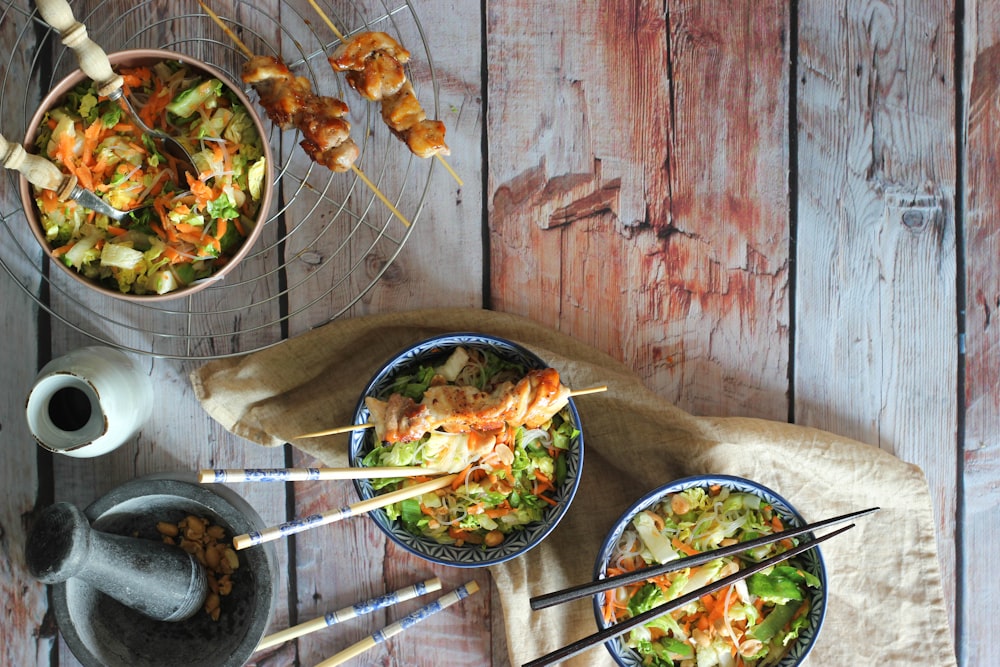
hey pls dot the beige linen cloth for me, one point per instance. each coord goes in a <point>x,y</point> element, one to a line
<point>886,605</point>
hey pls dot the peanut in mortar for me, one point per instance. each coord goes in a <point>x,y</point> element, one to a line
<point>207,543</point>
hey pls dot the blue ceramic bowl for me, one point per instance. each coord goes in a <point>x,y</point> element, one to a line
<point>436,350</point>
<point>812,560</point>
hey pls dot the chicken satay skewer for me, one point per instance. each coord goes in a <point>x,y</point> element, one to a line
<point>357,170</point>
<point>340,36</point>
<point>368,425</point>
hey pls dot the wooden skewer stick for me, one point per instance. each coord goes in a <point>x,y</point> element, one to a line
<point>356,509</point>
<point>357,170</point>
<point>235,475</point>
<point>339,429</point>
<point>229,33</point>
<point>347,613</point>
<point>339,35</point>
<point>589,390</point>
<point>361,427</point>
<point>407,621</point>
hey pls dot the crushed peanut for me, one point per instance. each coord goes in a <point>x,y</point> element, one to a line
<point>206,542</point>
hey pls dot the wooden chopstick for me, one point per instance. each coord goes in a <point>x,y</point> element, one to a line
<point>233,475</point>
<point>594,587</point>
<point>323,518</point>
<point>407,621</point>
<point>613,631</point>
<point>347,613</point>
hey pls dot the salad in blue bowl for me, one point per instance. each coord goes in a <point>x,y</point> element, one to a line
<point>770,619</point>
<point>488,410</point>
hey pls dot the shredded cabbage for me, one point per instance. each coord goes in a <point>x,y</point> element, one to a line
<point>503,490</point>
<point>756,619</point>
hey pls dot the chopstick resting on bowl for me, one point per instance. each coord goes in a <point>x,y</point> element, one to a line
<point>367,425</point>
<point>613,631</point>
<point>642,574</point>
<point>300,525</point>
<point>233,475</point>
<point>347,613</point>
<point>407,621</point>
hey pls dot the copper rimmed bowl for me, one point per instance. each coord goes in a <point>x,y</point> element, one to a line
<point>229,258</point>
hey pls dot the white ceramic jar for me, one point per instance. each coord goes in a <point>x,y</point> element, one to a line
<point>88,402</point>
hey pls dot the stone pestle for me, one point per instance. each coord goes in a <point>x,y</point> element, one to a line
<point>159,580</point>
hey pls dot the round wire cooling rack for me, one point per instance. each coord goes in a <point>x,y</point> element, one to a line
<point>328,238</point>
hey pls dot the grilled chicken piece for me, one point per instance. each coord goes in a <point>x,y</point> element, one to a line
<point>290,103</point>
<point>532,402</point>
<point>408,121</point>
<point>327,135</point>
<point>374,63</point>
<point>282,94</point>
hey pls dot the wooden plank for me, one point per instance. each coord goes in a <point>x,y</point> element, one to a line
<point>178,437</point>
<point>353,250</point>
<point>640,177</point>
<point>27,634</point>
<point>875,329</point>
<point>440,263</point>
<point>980,533</point>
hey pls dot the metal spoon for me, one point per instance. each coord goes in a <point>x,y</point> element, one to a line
<point>39,171</point>
<point>95,64</point>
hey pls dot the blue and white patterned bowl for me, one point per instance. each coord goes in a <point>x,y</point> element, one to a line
<point>468,555</point>
<point>812,559</point>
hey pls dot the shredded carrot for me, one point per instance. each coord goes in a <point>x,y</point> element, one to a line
<point>50,201</point>
<point>137,77</point>
<point>62,250</point>
<point>186,228</point>
<point>91,137</point>
<point>609,607</point>
<point>158,101</point>
<point>460,479</point>
<point>173,255</point>
<point>686,548</point>
<point>458,533</point>
<point>497,512</point>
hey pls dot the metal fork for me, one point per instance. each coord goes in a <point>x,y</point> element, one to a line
<point>45,174</point>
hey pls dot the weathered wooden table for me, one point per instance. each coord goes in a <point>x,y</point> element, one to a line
<point>771,209</point>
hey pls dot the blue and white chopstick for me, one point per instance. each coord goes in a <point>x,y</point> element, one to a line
<point>347,613</point>
<point>407,621</point>
<point>234,475</point>
<point>314,520</point>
